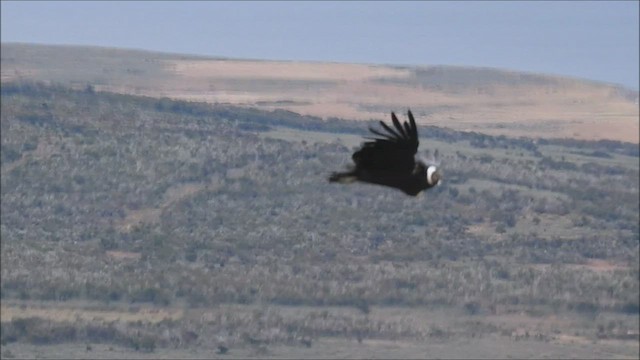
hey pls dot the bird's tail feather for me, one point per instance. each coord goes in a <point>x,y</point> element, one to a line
<point>342,178</point>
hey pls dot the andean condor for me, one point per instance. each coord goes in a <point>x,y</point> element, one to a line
<point>388,160</point>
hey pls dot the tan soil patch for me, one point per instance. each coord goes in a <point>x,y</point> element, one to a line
<point>137,217</point>
<point>11,73</point>
<point>603,265</point>
<point>171,196</point>
<point>123,255</point>
<point>595,265</point>
<point>144,314</point>
<point>43,151</point>
<point>571,339</point>
<point>233,69</point>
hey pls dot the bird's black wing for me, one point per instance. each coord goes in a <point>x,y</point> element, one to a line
<point>393,149</point>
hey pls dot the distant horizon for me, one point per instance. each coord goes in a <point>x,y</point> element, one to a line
<point>591,40</point>
<point>214,57</point>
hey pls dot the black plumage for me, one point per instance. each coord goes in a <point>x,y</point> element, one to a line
<point>389,160</point>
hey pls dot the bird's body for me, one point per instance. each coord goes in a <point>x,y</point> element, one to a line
<point>388,160</point>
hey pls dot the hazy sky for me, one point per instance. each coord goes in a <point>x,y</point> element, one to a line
<point>595,40</point>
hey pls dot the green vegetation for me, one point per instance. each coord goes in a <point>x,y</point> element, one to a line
<point>117,198</point>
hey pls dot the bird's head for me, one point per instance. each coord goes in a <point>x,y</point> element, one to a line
<point>433,175</point>
<point>432,164</point>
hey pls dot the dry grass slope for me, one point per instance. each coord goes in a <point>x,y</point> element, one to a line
<point>475,99</point>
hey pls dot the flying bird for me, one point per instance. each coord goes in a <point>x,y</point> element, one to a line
<point>389,160</point>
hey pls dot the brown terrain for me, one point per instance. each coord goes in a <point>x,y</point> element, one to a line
<point>472,99</point>
<point>491,101</point>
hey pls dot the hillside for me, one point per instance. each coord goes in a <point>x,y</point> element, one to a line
<point>483,100</point>
<point>162,228</point>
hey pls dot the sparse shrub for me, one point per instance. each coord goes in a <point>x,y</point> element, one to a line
<point>363,306</point>
<point>148,176</point>
<point>148,343</point>
<point>472,308</point>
